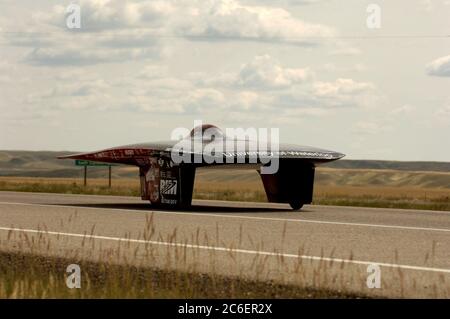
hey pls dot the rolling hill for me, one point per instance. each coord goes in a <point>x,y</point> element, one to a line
<point>343,172</point>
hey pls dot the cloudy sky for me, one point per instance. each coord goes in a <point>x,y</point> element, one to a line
<point>135,70</point>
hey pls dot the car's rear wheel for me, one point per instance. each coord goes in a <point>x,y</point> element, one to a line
<point>296,205</point>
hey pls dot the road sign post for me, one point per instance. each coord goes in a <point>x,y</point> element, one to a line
<point>109,176</point>
<point>85,165</point>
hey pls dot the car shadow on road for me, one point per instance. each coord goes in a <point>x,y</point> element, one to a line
<point>197,208</point>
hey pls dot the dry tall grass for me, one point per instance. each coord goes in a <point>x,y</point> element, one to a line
<point>36,276</point>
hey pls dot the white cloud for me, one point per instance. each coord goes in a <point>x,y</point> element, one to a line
<point>264,85</point>
<point>267,85</point>
<point>231,19</point>
<point>265,72</point>
<point>343,93</point>
<point>261,86</point>
<point>340,87</point>
<point>440,67</point>
<point>213,19</point>
<point>78,56</point>
<point>262,73</point>
<point>203,100</point>
<point>107,15</point>
<point>248,100</point>
<point>119,30</point>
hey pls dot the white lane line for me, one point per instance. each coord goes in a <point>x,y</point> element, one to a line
<point>281,206</point>
<point>244,217</point>
<point>229,250</point>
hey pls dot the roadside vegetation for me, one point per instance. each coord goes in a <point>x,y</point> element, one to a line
<point>408,190</point>
<point>35,276</point>
<point>31,266</point>
<point>156,263</point>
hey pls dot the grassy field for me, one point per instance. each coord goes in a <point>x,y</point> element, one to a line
<point>368,188</point>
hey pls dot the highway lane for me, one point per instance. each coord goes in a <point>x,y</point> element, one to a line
<point>338,243</point>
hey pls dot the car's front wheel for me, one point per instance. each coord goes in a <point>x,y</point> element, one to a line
<point>296,205</point>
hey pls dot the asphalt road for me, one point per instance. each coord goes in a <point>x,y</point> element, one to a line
<point>321,246</point>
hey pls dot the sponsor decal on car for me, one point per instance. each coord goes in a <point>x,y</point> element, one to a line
<point>168,186</point>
